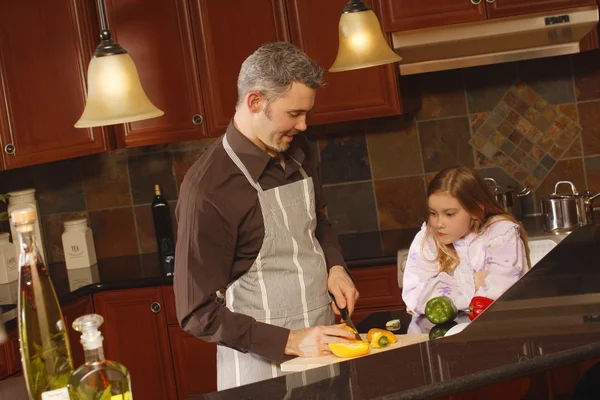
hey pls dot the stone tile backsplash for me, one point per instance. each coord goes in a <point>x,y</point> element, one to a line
<point>375,171</point>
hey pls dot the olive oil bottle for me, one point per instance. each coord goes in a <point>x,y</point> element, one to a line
<point>45,351</point>
<point>97,378</point>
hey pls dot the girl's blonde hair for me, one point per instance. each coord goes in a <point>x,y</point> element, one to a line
<point>473,194</point>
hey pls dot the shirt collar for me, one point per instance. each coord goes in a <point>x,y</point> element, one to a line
<point>252,156</point>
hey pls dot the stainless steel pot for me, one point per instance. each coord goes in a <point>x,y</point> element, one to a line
<point>565,212</point>
<point>508,197</point>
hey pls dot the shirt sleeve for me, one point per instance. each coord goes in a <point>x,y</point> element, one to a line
<point>505,260</point>
<point>203,258</point>
<point>423,281</point>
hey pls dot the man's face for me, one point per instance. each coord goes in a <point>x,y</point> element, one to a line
<point>282,118</point>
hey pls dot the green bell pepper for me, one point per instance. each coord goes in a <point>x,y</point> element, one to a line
<point>440,309</point>
<point>440,330</point>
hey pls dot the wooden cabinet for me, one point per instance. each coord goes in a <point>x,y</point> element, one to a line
<point>71,312</point>
<point>350,95</point>
<point>158,36</point>
<point>44,53</point>
<point>194,360</point>
<point>378,289</point>
<point>5,361</point>
<point>507,8</point>
<point>401,15</point>
<point>135,333</point>
<point>225,34</point>
<point>194,363</point>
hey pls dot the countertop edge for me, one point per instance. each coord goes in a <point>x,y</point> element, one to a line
<point>495,375</point>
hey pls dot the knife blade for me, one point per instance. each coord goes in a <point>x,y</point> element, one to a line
<point>346,318</point>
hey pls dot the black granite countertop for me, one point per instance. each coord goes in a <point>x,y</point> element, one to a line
<point>550,317</point>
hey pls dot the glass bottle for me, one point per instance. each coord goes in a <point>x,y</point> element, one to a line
<point>98,378</point>
<point>45,351</point>
<point>163,230</point>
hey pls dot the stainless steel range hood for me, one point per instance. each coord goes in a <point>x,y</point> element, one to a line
<point>493,41</point>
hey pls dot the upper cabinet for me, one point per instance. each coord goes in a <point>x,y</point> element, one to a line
<point>351,95</point>
<point>225,33</point>
<point>158,36</point>
<point>400,15</point>
<point>506,8</point>
<point>45,48</point>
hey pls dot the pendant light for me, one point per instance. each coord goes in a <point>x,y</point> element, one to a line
<point>115,93</point>
<point>362,43</point>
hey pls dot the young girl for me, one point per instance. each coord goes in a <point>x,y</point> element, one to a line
<point>468,247</point>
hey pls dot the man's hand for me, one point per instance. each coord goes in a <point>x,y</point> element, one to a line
<point>312,342</point>
<point>342,288</point>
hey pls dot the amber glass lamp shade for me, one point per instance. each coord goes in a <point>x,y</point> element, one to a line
<point>115,94</point>
<point>361,41</point>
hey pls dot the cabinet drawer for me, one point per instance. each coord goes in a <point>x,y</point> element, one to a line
<point>378,287</point>
<point>169,299</point>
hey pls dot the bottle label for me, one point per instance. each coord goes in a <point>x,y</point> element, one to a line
<point>57,394</point>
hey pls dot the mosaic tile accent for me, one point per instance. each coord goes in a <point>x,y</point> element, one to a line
<point>524,134</point>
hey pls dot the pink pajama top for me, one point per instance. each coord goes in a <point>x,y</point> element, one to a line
<point>498,250</point>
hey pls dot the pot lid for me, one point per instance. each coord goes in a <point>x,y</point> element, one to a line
<point>573,195</point>
<point>498,189</point>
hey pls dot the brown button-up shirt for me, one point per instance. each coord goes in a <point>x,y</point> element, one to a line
<point>220,233</point>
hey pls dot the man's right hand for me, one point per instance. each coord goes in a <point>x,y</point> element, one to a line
<point>312,342</point>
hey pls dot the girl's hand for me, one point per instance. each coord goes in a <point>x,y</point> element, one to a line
<point>479,278</point>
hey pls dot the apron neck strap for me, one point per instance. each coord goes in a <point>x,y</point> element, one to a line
<point>234,157</point>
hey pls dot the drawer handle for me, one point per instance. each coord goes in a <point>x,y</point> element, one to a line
<point>475,2</point>
<point>197,119</point>
<point>10,149</point>
<point>155,307</point>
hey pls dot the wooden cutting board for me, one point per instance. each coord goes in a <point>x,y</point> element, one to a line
<point>303,363</point>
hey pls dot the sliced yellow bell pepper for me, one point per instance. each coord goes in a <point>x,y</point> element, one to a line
<point>345,350</point>
<point>380,338</point>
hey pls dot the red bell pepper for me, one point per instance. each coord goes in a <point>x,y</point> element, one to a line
<point>478,305</point>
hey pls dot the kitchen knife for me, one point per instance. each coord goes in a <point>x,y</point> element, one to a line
<point>346,318</point>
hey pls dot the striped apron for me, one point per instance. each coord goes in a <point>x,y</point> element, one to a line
<point>287,283</point>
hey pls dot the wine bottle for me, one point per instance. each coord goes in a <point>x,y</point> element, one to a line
<point>97,378</point>
<point>45,351</point>
<point>163,230</point>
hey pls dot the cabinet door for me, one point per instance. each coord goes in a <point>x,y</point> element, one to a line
<point>71,312</point>
<point>506,8</point>
<point>45,48</point>
<point>157,35</point>
<point>5,361</point>
<point>226,32</point>
<point>135,334</point>
<point>194,362</point>
<point>401,15</point>
<point>350,95</point>
<point>378,287</point>
<point>13,352</point>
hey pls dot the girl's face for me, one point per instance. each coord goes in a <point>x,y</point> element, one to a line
<point>447,218</point>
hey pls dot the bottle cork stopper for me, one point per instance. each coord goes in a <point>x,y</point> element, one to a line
<point>23,215</point>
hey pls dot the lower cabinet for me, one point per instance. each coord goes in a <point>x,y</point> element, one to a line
<point>135,334</point>
<point>71,312</point>
<point>378,289</point>
<point>194,363</point>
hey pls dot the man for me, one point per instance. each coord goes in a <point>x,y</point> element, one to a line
<point>255,256</point>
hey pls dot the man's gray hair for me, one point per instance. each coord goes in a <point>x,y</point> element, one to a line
<point>272,69</point>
